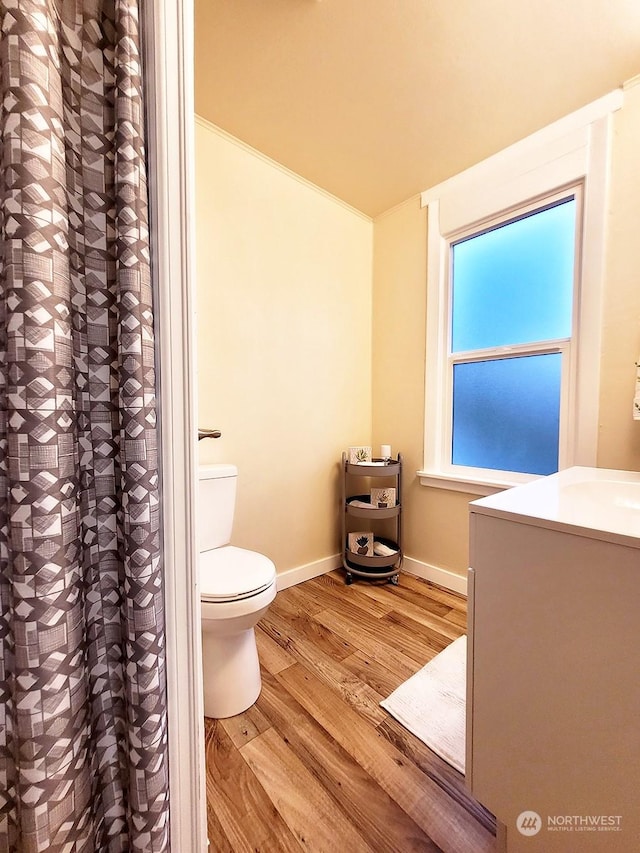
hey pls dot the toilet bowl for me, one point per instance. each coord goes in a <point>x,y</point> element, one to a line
<point>236,588</point>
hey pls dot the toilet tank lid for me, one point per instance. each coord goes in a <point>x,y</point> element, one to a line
<point>220,470</point>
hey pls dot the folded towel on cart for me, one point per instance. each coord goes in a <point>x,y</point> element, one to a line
<point>382,550</point>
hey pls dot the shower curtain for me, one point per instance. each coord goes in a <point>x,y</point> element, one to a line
<point>83,719</point>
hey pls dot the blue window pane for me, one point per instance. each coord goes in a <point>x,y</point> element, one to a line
<point>506,413</point>
<point>514,284</point>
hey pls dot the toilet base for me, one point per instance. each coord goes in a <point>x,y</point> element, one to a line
<point>231,673</point>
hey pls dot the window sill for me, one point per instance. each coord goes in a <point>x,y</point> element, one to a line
<point>471,485</point>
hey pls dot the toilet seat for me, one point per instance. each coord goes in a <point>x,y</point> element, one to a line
<point>233,574</point>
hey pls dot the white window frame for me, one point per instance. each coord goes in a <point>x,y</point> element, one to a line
<point>564,346</point>
<point>571,153</point>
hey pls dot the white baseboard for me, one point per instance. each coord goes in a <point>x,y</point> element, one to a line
<point>290,577</point>
<point>443,577</point>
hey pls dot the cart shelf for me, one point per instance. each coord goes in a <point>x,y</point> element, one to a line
<point>363,565</point>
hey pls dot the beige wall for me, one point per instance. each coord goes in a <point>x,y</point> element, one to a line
<point>619,440</point>
<point>284,344</point>
<point>300,355</point>
<point>436,520</point>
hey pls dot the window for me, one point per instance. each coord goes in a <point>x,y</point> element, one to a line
<point>515,258</point>
<point>512,293</point>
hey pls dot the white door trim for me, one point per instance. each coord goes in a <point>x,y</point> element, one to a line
<point>167,27</point>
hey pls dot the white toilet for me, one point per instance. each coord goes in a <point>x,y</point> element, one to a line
<point>236,588</point>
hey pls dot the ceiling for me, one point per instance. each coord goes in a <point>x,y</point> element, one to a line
<point>376,100</point>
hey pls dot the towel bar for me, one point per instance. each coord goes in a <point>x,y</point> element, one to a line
<point>208,433</point>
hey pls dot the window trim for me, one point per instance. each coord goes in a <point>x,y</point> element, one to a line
<point>570,153</point>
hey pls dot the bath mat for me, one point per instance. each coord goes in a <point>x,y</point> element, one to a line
<point>431,704</point>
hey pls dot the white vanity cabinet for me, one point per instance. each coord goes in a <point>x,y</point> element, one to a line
<point>553,693</point>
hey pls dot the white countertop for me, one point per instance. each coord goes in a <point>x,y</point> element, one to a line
<point>596,502</point>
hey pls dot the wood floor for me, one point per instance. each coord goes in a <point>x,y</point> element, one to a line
<point>316,764</point>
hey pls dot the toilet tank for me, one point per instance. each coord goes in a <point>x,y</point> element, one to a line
<point>216,505</point>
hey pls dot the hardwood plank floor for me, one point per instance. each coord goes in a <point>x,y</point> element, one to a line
<point>316,764</point>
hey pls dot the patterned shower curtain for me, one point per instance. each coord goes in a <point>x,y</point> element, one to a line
<point>83,731</point>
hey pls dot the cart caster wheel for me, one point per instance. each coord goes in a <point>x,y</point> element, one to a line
<point>348,579</point>
<point>395,580</point>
